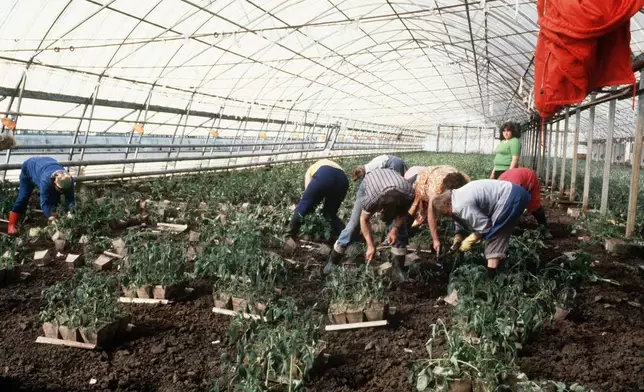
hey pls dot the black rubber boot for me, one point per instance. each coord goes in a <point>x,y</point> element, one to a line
<point>291,233</point>
<point>491,273</point>
<point>334,259</point>
<point>398,274</point>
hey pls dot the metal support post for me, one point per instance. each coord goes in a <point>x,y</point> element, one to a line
<point>608,155</point>
<point>575,160</point>
<point>636,161</point>
<point>549,153</point>
<point>480,132</point>
<point>589,156</point>
<point>438,137</point>
<point>465,148</point>
<point>541,148</point>
<point>174,137</point>
<point>564,152</point>
<point>451,142</point>
<point>555,155</point>
<point>21,88</point>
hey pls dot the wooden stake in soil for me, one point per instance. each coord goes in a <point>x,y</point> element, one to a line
<point>153,301</point>
<point>68,343</point>
<point>233,313</point>
<point>366,324</point>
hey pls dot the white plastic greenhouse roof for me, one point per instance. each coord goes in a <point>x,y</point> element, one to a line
<point>407,65</point>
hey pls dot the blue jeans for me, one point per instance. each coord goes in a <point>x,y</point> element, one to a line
<point>26,189</point>
<point>402,240</point>
<point>331,185</point>
<point>353,227</point>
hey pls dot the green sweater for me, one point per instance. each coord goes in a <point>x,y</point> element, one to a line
<point>504,153</point>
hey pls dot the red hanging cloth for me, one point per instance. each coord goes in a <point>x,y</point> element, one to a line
<point>582,45</point>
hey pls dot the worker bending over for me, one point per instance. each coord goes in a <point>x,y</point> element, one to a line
<point>51,179</point>
<point>385,191</point>
<point>527,179</point>
<point>431,182</point>
<point>489,210</point>
<point>353,225</point>
<point>324,180</point>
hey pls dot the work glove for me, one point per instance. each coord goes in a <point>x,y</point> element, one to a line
<point>455,244</point>
<point>468,243</point>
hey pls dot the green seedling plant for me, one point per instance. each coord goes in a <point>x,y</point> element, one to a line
<point>88,300</point>
<point>355,288</point>
<point>153,263</point>
<point>8,248</point>
<point>239,263</point>
<point>460,360</point>
<point>283,349</point>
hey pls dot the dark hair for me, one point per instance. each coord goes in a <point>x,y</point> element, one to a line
<point>453,181</point>
<point>442,202</point>
<point>394,204</point>
<point>512,126</point>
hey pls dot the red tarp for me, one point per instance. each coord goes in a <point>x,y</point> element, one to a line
<point>583,45</point>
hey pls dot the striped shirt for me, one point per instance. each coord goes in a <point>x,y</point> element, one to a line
<point>380,181</point>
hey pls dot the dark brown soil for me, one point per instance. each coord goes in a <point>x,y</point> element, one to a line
<point>600,345</point>
<point>178,347</point>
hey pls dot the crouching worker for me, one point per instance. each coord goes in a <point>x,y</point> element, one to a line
<point>324,180</point>
<point>51,179</point>
<point>431,182</point>
<point>385,191</point>
<point>527,179</point>
<point>489,210</point>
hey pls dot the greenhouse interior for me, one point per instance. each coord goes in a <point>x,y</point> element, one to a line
<point>332,195</point>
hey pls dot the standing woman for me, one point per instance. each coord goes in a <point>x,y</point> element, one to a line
<point>509,151</point>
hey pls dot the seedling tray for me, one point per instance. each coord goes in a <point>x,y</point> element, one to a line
<point>349,321</point>
<point>81,338</point>
<point>150,294</point>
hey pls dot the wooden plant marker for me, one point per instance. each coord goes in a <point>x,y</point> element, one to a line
<point>104,262</point>
<point>365,324</point>
<point>42,257</point>
<point>171,227</point>
<point>233,313</point>
<point>74,261</point>
<point>154,301</point>
<point>67,343</point>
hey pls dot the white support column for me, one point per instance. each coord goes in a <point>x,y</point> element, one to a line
<point>555,155</point>
<point>608,155</point>
<point>575,153</point>
<point>589,156</point>
<point>564,153</point>
<point>636,160</point>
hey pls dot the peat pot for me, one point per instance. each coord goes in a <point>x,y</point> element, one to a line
<point>354,315</point>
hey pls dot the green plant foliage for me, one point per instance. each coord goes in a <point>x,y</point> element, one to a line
<point>241,265</point>
<point>153,262</point>
<point>356,287</point>
<point>88,300</point>
<point>7,252</point>
<point>284,348</point>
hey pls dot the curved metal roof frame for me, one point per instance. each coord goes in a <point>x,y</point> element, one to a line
<point>405,65</point>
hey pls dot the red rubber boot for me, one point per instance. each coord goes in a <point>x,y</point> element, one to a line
<point>14,217</point>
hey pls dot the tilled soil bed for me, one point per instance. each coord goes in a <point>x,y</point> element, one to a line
<point>178,347</point>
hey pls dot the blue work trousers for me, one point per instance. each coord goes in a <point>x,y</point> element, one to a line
<point>26,189</point>
<point>331,185</point>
